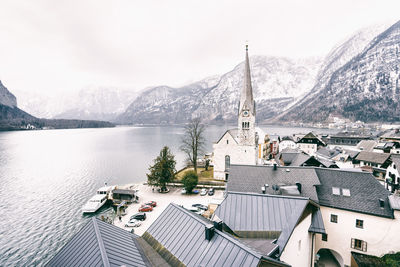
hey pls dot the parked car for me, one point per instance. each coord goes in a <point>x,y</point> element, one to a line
<point>145,208</point>
<point>211,192</point>
<point>139,216</point>
<point>192,209</point>
<point>203,192</point>
<point>196,191</point>
<point>151,203</point>
<point>200,206</point>
<point>183,191</point>
<point>133,223</point>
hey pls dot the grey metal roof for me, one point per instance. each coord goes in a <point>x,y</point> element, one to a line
<point>365,192</point>
<point>100,244</point>
<point>249,212</point>
<point>317,223</point>
<point>124,191</point>
<point>394,202</point>
<point>395,159</point>
<point>247,178</point>
<point>182,233</point>
<point>373,157</point>
<point>327,152</point>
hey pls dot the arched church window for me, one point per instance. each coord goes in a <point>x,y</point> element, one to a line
<point>227,162</point>
<point>248,125</point>
<point>227,141</point>
<point>242,125</point>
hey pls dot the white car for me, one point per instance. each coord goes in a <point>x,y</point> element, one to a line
<point>203,192</point>
<point>183,191</point>
<point>133,223</point>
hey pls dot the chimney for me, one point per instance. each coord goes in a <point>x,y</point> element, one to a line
<point>275,167</point>
<point>218,226</point>
<point>298,187</point>
<point>381,203</point>
<point>209,232</point>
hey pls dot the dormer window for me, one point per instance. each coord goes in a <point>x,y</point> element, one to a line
<point>336,191</point>
<point>346,192</point>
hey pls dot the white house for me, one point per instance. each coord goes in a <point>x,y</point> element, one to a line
<point>241,145</point>
<point>287,142</point>
<point>358,213</point>
<point>310,143</point>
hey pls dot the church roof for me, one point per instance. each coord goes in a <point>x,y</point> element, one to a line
<point>246,96</point>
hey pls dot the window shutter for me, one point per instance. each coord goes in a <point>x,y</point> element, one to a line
<point>364,246</point>
<point>352,243</point>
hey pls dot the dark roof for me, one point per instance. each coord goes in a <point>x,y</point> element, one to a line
<point>313,138</point>
<point>364,260</point>
<point>287,138</point>
<point>365,192</point>
<point>317,223</point>
<point>180,234</point>
<point>249,212</point>
<point>124,191</point>
<point>330,153</point>
<point>316,184</point>
<point>100,244</point>
<point>373,157</point>
<point>247,178</point>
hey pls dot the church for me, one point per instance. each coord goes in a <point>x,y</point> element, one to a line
<point>240,145</point>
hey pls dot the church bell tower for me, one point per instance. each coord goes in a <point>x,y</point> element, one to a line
<point>247,109</point>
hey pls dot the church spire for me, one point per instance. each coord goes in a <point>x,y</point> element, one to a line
<point>246,95</point>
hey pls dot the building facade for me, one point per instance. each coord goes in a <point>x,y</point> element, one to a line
<point>241,145</point>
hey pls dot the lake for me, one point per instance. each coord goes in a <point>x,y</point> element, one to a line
<point>46,176</point>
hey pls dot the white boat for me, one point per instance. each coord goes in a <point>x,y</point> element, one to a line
<point>95,203</point>
<point>98,200</point>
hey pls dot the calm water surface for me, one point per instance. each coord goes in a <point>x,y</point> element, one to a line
<point>46,177</point>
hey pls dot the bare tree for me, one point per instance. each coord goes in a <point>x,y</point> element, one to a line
<point>193,141</point>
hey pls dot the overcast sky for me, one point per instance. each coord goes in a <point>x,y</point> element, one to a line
<point>52,46</point>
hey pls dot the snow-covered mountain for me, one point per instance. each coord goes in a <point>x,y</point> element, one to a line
<point>6,97</point>
<point>91,103</point>
<point>276,83</point>
<point>365,88</point>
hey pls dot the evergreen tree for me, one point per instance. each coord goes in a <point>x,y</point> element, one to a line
<point>163,170</point>
<point>190,180</point>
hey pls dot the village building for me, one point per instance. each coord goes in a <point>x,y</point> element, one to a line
<point>348,138</point>
<point>295,157</point>
<point>287,142</point>
<point>356,209</point>
<point>366,145</point>
<point>282,227</point>
<point>392,178</point>
<point>374,162</point>
<point>310,143</point>
<point>240,145</point>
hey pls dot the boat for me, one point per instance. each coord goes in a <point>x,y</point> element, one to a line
<point>98,200</point>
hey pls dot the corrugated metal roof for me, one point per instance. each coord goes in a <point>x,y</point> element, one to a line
<point>100,244</point>
<point>247,178</point>
<point>373,157</point>
<point>249,212</point>
<point>182,233</point>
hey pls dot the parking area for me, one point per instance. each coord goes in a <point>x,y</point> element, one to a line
<point>174,196</point>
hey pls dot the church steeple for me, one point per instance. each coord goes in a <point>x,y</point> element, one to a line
<point>246,95</point>
<point>247,109</point>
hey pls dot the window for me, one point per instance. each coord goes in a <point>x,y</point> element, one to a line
<point>334,218</point>
<point>324,237</point>
<point>227,162</point>
<point>227,142</point>
<point>299,245</point>
<point>359,223</point>
<point>346,192</point>
<point>394,166</point>
<point>336,191</point>
<point>358,244</point>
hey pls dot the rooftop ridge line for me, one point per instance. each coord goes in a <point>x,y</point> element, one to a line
<point>103,252</point>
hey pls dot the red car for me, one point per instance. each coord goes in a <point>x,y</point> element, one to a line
<point>144,208</point>
<point>151,203</point>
